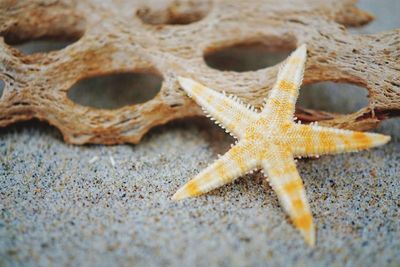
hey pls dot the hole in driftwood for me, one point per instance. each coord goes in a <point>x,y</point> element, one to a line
<point>385,13</point>
<point>177,13</point>
<point>32,127</point>
<point>115,90</point>
<point>245,57</point>
<point>2,85</point>
<point>65,28</point>
<point>43,46</point>
<point>333,97</point>
<point>391,127</point>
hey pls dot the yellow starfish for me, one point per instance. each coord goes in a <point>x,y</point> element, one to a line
<point>270,140</point>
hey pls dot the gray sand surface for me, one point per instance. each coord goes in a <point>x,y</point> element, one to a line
<point>57,208</point>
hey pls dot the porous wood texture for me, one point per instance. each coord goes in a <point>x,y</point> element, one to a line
<point>170,38</point>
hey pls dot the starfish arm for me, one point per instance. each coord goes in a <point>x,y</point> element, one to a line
<point>235,163</point>
<point>282,99</point>
<point>317,140</point>
<point>286,182</point>
<point>227,111</point>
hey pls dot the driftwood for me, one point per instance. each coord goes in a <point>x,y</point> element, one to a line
<point>170,38</point>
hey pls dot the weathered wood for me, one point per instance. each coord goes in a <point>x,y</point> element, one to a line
<point>151,36</point>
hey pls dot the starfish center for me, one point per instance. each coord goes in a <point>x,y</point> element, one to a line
<point>264,130</point>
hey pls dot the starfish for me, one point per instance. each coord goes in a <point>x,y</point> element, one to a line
<point>270,140</point>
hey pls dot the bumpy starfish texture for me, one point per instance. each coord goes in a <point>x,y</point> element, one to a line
<point>270,140</point>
